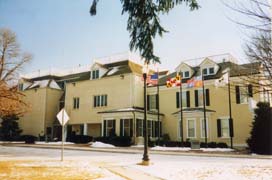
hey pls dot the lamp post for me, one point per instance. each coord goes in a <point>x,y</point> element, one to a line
<point>145,156</point>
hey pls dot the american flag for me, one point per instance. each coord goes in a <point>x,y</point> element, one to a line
<point>154,79</point>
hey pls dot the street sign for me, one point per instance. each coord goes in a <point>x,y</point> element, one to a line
<point>63,117</point>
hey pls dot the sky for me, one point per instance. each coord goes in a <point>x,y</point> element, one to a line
<point>62,34</point>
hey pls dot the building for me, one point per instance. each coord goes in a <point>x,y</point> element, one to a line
<point>107,97</point>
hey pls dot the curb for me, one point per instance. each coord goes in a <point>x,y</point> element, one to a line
<point>140,151</point>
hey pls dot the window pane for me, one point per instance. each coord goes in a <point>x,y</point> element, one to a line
<point>203,127</point>
<point>243,95</point>
<point>211,70</point>
<point>184,99</point>
<point>205,71</point>
<point>152,101</point>
<point>186,74</point>
<point>191,128</point>
<point>97,74</point>
<point>225,127</point>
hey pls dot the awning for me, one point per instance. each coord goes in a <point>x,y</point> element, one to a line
<point>129,109</point>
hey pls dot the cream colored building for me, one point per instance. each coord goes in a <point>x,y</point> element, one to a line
<point>106,98</point>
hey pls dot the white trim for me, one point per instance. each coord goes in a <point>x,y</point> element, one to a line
<point>207,124</point>
<point>187,120</point>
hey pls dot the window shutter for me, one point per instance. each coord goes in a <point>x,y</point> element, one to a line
<point>153,129</point>
<point>237,92</point>
<point>231,127</point>
<point>177,99</point>
<point>121,127</point>
<point>94,101</point>
<point>74,103</point>
<point>77,103</point>
<point>219,134</point>
<point>106,100</point>
<point>137,127</point>
<point>97,74</point>
<point>196,98</point>
<point>131,127</point>
<point>188,98</point>
<point>105,128</point>
<point>157,101</point>
<point>207,95</point>
<point>250,90</point>
<point>148,100</point>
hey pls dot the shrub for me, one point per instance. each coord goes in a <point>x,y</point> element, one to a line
<point>212,145</point>
<point>203,145</point>
<point>123,141</point>
<point>186,144</point>
<point>222,145</point>
<point>81,139</point>
<point>260,141</point>
<point>10,130</point>
<point>29,139</point>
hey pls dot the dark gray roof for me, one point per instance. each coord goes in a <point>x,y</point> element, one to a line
<point>130,109</point>
<point>235,70</point>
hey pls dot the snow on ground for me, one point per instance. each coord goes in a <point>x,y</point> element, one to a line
<point>52,143</point>
<point>101,145</point>
<point>11,142</point>
<point>160,148</point>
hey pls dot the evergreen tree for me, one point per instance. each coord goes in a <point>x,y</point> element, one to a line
<point>143,22</point>
<point>260,141</point>
<point>10,129</point>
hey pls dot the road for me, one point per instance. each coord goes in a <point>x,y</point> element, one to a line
<point>172,167</point>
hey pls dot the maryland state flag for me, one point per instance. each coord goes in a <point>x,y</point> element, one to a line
<point>173,82</point>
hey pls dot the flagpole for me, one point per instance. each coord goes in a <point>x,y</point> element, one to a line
<point>158,92</point>
<point>181,118</point>
<point>204,106</point>
<point>230,114</point>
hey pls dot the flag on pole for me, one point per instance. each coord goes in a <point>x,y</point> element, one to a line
<point>154,79</point>
<point>195,82</point>
<point>222,81</point>
<point>173,82</point>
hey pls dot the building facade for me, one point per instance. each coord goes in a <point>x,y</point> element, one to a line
<point>107,98</point>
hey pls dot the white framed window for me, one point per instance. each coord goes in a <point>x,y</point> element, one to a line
<point>139,127</point>
<point>185,74</point>
<point>109,127</point>
<point>180,132</point>
<point>152,102</point>
<point>208,71</point>
<point>202,127</point>
<point>243,95</point>
<point>95,74</point>
<point>125,127</point>
<point>100,100</point>
<point>191,128</point>
<point>224,128</point>
<point>200,97</point>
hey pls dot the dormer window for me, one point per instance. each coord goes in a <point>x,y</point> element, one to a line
<point>95,74</point>
<point>208,71</point>
<point>186,74</point>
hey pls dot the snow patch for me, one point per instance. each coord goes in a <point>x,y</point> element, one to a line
<point>160,148</point>
<point>101,145</point>
<point>216,149</point>
<point>52,143</point>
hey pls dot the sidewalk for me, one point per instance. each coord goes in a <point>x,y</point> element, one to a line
<point>137,150</point>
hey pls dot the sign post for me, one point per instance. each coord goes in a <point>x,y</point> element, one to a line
<point>63,119</point>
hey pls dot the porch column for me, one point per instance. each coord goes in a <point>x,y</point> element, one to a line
<point>85,129</point>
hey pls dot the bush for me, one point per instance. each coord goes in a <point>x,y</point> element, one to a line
<point>212,145</point>
<point>122,141</point>
<point>81,139</point>
<point>102,139</point>
<point>203,145</point>
<point>29,139</point>
<point>222,145</point>
<point>260,141</point>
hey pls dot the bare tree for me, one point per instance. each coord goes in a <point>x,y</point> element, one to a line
<point>257,47</point>
<point>12,59</point>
